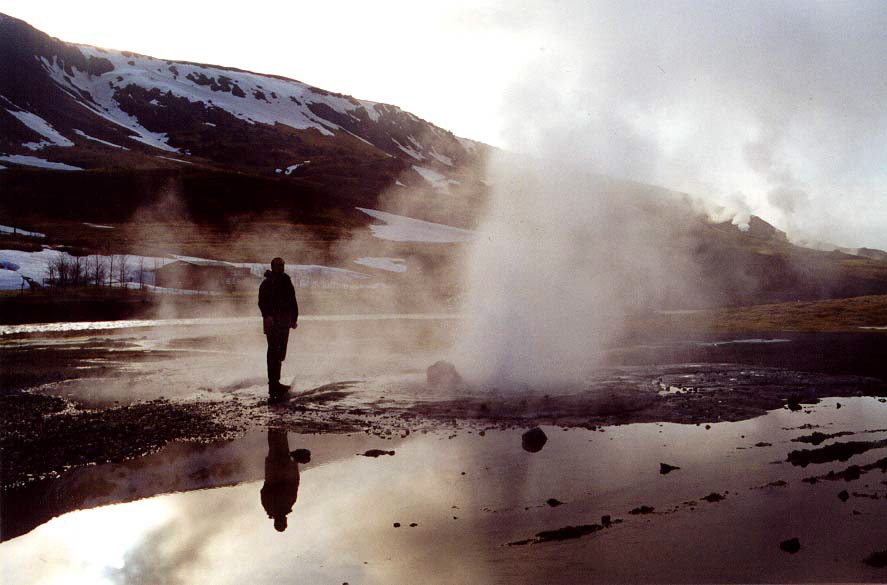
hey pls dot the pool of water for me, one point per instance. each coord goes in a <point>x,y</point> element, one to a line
<point>450,506</point>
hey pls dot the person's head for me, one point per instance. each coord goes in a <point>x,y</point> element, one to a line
<point>280,523</point>
<point>277,265</point>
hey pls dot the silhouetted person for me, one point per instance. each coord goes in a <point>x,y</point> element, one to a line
<point>281,485</point>
<point>280,313</point>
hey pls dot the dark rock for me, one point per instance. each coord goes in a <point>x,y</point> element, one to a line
<point>443,375</point>
<point>533,440</point>
<point>763,444</point>
<point>817,438</point>
<point>567,532</point>
<point>413,524</point>
<point>606,520</point>
<point>791,546</point>
<point>843,496</point>
<point>377,453</point>
<point>397,524</point>
<point>833,452</point>
<point>553,502</point>
<point>877,559</point>
<point>665,468</point>
<point>713,497</point>
<point>301,455</point>
<point>642,510</point>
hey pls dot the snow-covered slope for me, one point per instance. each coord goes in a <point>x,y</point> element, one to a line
<point>56,95</point>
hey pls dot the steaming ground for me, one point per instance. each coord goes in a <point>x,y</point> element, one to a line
<point>108,396</point>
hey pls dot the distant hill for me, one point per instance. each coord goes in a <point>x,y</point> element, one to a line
<point>235,141</point>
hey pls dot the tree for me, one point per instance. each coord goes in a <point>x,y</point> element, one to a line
<point>77,270</point>
<point>110,269</point>
<point>96,270</point>
<point>60,269</point>
<point>122,270</point>
<point>141,272</point>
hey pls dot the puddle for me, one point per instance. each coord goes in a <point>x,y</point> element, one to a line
<point>459,499</point>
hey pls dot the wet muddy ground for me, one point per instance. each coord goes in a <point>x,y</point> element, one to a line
<point>683,460</point>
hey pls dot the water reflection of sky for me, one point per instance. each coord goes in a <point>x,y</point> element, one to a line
<point>341,527</point>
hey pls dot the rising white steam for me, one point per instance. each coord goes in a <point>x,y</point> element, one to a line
<point>562,260</point>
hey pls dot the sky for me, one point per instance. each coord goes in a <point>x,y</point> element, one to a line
<point>773,108</point>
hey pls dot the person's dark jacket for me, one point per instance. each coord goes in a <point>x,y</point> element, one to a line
<point>277,298</point>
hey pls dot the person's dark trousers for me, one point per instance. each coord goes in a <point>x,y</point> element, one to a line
<point>277,340</point>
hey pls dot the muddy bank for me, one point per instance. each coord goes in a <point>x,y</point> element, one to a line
<point>45,435</point>
<point>74,400</point>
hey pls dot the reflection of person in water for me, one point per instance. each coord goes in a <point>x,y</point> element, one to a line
<point>281,485</point>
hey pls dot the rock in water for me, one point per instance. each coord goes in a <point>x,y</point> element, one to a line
<point>377,453</point>
<point>533,440</point>
<point>665,468</point>
<point>791,546</point>
<point>443,375</point>
<point>301,455</point>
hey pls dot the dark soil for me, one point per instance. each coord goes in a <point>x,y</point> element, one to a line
<point>44,435</point>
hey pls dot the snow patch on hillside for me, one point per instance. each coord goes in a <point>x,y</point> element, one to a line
<point>441,157</point>
<point>399,228</point>
<point>33,161</point>
<point>94,139</point>
<point>41,127</point>
<point>389,264</point>
<point>7,229</point>
<point>252,97</point>
<point>289,170</point>
<point>175,159</point>
<point>410,151</point>
<point>103,102</point>
<point>438,181</point>
<point>35,265</point>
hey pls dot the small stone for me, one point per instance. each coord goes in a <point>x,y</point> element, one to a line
<point>533,440</point>
<point>397,524</point>
<point>843,495</point>
<point>553,502</point>
<point>443,374</point>
<point>791,546</point>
